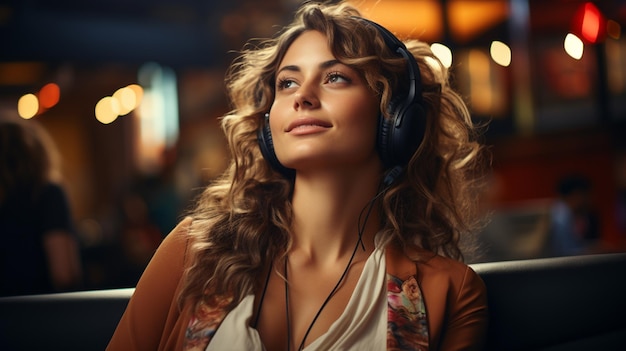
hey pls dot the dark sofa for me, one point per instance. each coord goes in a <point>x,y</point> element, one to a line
<point>567,303</point>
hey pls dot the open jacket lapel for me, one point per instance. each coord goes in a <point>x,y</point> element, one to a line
<point>407,325</point>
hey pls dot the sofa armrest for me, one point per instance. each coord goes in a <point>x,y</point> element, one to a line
<point>564,303</point>
<point>66,321</point>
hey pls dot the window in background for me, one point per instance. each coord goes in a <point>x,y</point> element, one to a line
<point>157,117</point>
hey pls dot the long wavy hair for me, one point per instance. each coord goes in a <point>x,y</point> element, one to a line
<point>241,222</point>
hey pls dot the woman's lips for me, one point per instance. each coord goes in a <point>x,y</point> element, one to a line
<point>307,126</point>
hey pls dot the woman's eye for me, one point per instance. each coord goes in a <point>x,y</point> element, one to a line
<point>285,84</point>
<point>336,77</point>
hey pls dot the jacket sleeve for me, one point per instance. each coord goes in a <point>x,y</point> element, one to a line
<point>468,317</point>
<point>143,324</point>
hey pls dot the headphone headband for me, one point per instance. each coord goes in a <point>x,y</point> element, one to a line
<point>397,46</point>
<point>414,92</point>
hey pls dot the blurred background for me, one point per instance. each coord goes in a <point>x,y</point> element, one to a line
<point>130,93</point>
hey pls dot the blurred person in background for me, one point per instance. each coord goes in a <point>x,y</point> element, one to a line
<point>39,252</point>
<point>574,225</point>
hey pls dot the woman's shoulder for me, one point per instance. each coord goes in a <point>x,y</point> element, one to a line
<point>437,268</point>
<point>169,261</point>
<point>451,285</point>
<point>178,241</point>
<point>441,263</point>
<point>430,265</point>
<point>182,229</point>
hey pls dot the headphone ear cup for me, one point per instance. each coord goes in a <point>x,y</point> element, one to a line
<point>400,135</point>
<point>383,139</point>
<point>266,144</point>
<point>408,136</point>
<point>386,133</point>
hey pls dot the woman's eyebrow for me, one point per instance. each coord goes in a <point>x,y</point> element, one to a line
<point>295,68</point>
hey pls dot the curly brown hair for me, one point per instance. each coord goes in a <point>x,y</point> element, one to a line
<point>242,220</point>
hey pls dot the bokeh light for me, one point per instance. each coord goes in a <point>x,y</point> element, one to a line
<point>500,53</point>
<point>591,23</point>
<point>574,46</point>
<point>28,106</point>
<point>443,53</point>
<point>122,102</point>
<point>49,95</point>
<point>138,93</point>
<point>107,110</point>
<point>126,99</point>
<point>613,29</point>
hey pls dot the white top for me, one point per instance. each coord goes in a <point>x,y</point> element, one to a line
<point>361,326</point>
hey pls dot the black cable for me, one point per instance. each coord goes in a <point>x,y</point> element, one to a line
<point>369,207</point>
<point>389,178</point>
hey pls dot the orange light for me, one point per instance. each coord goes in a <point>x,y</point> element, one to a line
<point>49,95</point>
<point>406,19</point>
<point>613,29</point>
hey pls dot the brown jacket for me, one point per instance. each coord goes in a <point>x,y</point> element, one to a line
<point>454,295</point>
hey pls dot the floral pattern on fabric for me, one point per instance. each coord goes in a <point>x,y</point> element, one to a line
<point>204,323</point>
<point>407,327</point>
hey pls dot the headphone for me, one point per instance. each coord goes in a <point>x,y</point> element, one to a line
<point>399,136</point>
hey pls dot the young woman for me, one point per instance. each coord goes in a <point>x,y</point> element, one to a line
<point>337,224</point>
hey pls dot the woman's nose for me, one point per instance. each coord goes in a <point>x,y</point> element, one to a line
<point>306,97</point>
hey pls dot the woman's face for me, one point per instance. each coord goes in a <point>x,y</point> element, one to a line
<point>324,114</point>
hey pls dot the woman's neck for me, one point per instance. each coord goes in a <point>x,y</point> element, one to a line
<point>326,216</point>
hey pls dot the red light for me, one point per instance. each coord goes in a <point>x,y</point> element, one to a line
<point>589,23</point>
